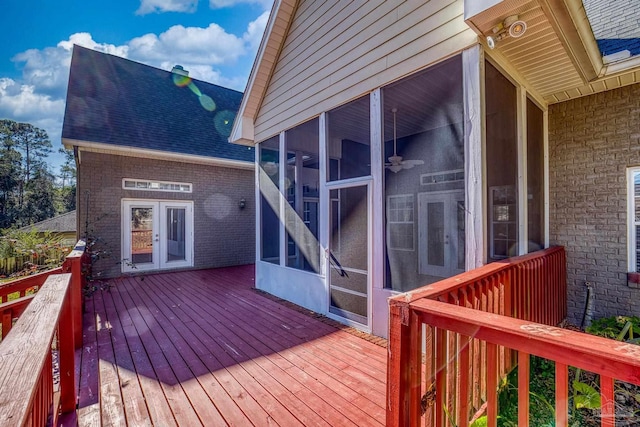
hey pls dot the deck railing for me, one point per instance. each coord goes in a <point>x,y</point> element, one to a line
<point>458,378</point>
<point>38,329</point>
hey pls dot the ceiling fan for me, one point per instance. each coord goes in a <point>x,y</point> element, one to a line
<point>396,164</point>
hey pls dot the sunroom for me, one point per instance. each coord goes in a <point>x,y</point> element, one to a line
<point>402,143</point>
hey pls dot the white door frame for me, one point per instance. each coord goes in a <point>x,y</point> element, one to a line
<point>337,185</point>
<point>160,259</point>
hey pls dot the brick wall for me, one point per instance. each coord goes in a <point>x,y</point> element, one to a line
<point>592,141</point>
<point>224,234</point>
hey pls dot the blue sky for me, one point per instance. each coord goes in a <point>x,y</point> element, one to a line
<point>215,40</point>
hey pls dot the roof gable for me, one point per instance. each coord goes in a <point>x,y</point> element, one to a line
<point>125,104</point>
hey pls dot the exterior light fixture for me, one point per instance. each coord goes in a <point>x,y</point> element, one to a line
<point>242,203</point>
<point>512,26</point>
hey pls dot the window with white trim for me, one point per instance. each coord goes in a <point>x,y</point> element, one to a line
<point>634,219</point>
<point>172,187</point>
<point>400,222</point>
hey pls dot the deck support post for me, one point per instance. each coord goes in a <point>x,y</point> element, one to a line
<point>66,358</point>
<point>403,366</point>
<point>73,265</point>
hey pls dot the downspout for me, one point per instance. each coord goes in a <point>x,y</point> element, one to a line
<point>587,315</point>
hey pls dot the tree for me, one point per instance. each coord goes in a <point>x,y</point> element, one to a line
<point>39,197</point>
<point>10,175</point>
<point>23,152</point>
<point>66,194</point>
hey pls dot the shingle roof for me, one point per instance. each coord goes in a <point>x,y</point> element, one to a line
<point>59,224</point>
<point>615,24</point>
<point>112,100</point>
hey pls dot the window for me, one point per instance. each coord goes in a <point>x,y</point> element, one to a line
<point>172,187</point>
<point>634,219</point>
<point>400,222</point>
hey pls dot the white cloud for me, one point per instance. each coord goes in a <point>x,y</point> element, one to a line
<point>211,45</point>
<point>22,103</point>
<point>218,4</point>
<point>255,30</point>
<point>160,6</point>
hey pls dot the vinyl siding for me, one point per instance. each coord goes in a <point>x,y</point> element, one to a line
<point>336,51</point>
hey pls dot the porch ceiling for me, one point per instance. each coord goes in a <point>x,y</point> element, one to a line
<point>557,57</point>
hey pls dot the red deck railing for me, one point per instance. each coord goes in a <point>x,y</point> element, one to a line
<point>459,370</point>
<point>34,328</point>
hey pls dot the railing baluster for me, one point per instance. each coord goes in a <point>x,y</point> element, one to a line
<point>607,402</point>
<point>562,395</point>
<point>463,381</point>
<point>524,373</point>
<point>441,376</point>
<point>492,384</point>
<point>429,371</point>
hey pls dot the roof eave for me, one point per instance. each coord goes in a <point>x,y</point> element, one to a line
<point>146,153</point>
<point>569,21</point>
<point>263,66</point>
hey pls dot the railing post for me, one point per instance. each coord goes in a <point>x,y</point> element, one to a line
<point>66,357</point>
<point>403,367</point>
<point>73,265</point>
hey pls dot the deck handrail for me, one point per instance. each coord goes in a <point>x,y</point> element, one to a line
<point>530,287</point>
<point>54,312</point>
<point>26,371</point>
<point>609,359</point>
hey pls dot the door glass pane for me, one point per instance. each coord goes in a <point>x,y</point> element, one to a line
<point>502,163</point>
<point>176,231</point>
<point>435,233</point>
<point>348,259</point>
<point>349,141</point>
<point>141,235</point>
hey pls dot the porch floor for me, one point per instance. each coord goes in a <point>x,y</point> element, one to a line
<point>204,348</point>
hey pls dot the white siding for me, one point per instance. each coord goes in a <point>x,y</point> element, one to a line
<point>339,50</point>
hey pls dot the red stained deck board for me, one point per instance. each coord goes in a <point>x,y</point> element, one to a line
<point>225,354</point>
<point>240,349</point>
<point>238,345</point>
<point>328,362</point>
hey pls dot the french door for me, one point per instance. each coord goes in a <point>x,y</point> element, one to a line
<point>156,235</point>
<point>441,233</point>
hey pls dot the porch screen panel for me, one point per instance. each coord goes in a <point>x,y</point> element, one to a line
<point>269,177</point>
<point>535,177</point>
<point>636,217</point>
<point>502,164</point>
<point>349,141</point>
<point>302,191</point>
<point>423,117</point>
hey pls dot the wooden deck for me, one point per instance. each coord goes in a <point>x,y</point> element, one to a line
<point>204,348</point>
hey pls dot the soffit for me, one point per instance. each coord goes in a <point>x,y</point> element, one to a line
<point>557,57</point>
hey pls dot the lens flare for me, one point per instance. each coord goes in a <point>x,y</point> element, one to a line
<point>207,103</point>
<point>194,89</point>
<point>223,122</point>
<point>180,80</point>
